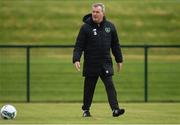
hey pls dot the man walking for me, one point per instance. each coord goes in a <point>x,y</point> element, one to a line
<point>96,37</point>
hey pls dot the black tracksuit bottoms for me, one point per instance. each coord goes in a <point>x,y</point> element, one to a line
<point>89,87</point>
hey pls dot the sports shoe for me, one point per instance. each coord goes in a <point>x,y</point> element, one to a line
<point>118,112</point>
<point>86,113</point>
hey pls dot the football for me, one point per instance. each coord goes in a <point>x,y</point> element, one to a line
<point>8,112</point>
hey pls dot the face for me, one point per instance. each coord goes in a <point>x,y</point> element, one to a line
<point>97,14</point>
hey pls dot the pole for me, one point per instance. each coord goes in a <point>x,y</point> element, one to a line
<point>28,73</point>
<point>146,73</point>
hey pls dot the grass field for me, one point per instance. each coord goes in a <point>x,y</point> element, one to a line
<point>70,113</point>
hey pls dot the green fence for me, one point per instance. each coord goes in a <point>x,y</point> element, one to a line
<point>44,73</point>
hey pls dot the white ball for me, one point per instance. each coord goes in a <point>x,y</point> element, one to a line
<point>8,112</point>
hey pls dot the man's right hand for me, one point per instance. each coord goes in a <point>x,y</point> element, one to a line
<point>77,65</point>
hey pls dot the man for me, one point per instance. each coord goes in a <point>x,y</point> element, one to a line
<point>96,37</point>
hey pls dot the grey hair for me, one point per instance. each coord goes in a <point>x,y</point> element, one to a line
<point>101,5</point>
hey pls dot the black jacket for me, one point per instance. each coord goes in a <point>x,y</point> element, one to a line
<point>96,41</point>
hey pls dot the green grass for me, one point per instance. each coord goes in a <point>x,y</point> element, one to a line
<point>53,77</point>
<point>70,113</point>
<point>58,22</point>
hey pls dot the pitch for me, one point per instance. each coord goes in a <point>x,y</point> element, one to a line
<point>70,113</point>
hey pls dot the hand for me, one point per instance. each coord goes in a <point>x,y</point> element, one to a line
<point>119,66</point>
<point>77,65</point>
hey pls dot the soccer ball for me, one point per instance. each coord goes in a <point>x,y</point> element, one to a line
<point>8,112</point>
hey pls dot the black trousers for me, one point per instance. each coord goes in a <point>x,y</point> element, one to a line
<point>89,87</point>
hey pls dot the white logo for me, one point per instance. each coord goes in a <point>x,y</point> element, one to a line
<point>94,31</point>
<point>107,71</point>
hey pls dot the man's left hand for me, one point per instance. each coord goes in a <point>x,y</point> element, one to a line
<point>119,67</point>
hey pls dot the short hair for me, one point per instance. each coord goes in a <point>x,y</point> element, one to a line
<point>100,5</point>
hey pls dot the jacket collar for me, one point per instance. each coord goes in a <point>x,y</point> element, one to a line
<point>88,20</point>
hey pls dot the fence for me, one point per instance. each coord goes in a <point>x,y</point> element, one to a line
<point>28,52</point>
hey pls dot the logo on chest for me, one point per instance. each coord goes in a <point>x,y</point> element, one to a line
<point>107,29</point>
<point>94,32</point>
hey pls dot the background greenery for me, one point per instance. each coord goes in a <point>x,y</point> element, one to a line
<point>53,77</point>
<point>58,21</point>
<point>54,22</point>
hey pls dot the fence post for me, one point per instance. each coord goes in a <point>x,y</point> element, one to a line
<point>146,73</point>
<point>28,73</point>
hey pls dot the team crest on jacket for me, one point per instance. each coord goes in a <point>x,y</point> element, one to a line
<point>107,29</point>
